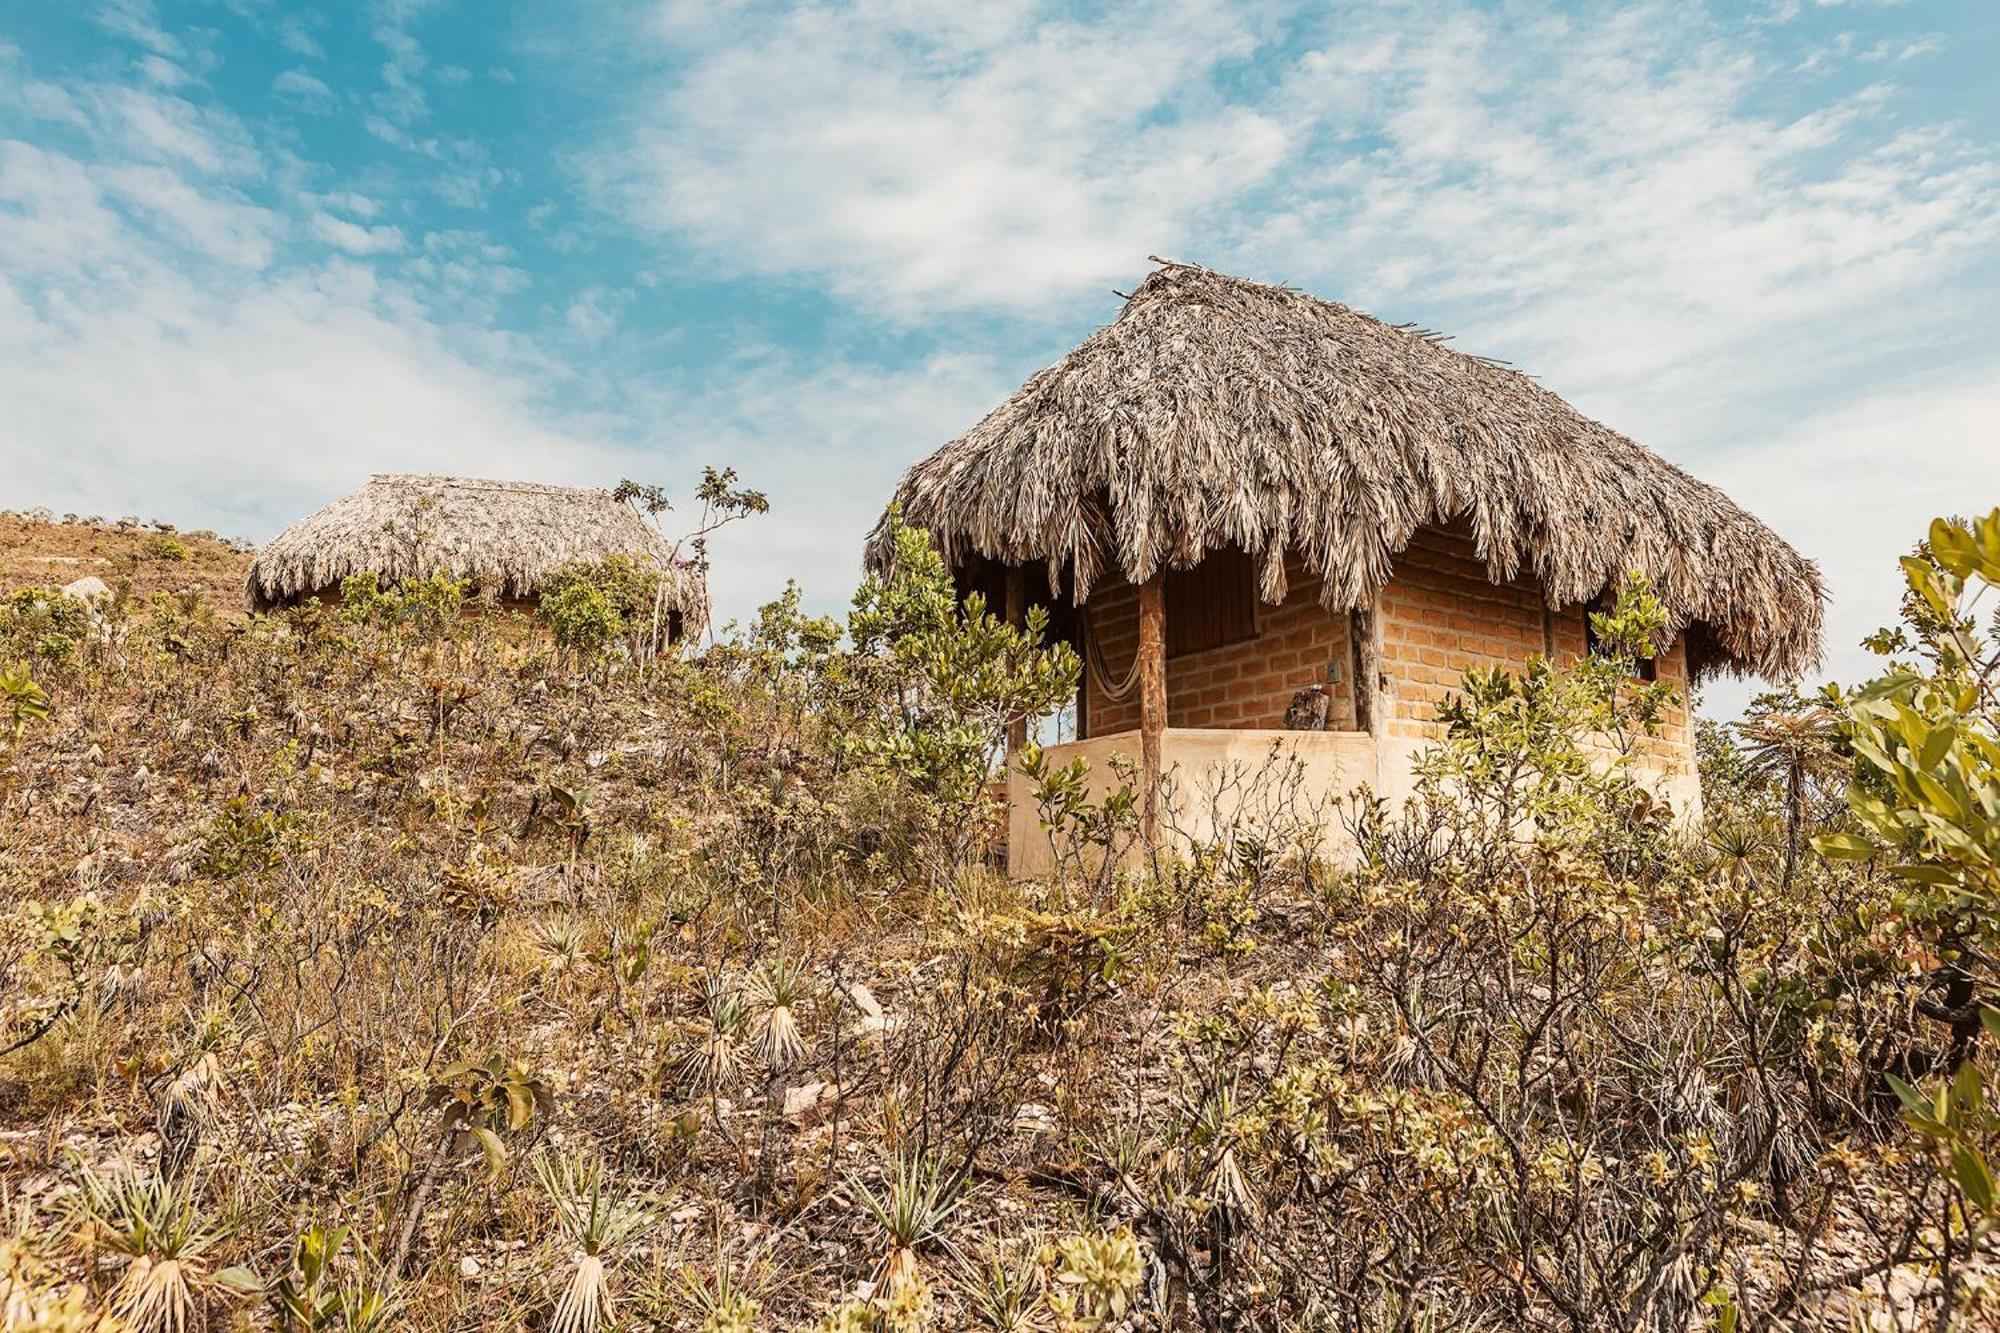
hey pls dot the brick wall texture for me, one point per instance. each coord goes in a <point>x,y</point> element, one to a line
<point>1439,617</point>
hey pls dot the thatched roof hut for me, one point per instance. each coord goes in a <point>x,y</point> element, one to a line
<point>1218,412</point>
<point>506,536</point>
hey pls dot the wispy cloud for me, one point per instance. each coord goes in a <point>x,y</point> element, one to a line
<point>157,357</point>
<point>221,227</point>
<point>1615,203</point>
<point>1857,485</point>
<point>304,91</point>
<point>921,157</point>
<point>354,238</point>
<point>1774,277</point>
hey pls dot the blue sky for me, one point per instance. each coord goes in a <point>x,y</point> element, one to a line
<point>251,251</point>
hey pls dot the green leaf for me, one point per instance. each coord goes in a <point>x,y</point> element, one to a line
<point>1936,746</point>
<point>1971,1172</point>
<point>1911,1099</point>
<point>1843,846</point>
<point>240,1278</point>
<point>495,1150</point>
<point>1968,1090</point>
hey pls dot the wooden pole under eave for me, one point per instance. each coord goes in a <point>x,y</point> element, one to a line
<point>1017,616</point>
<point>1152,701</point>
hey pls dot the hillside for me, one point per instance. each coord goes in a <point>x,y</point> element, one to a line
<point>38,551</point>
<point>393,967</point>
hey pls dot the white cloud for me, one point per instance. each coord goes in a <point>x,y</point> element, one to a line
<point>923,156</point>
<point>53,215</point>
<point>295,34</point>
<point>255,409</point>
<point>593,315</point>
<point>161,71</point>
<point>1856,486</point>
<point>304,91</point>
<point>160,127</point>
<point>155,358</point>
<point>138,21</point>
<point>130,384</point>
<point>351,202</point>
<point>354,238</point>
<point>1611,205</point>
<point>222,228</point>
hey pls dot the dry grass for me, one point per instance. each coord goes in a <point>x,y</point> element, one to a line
<point>35,552</point>
<point>349,924</point>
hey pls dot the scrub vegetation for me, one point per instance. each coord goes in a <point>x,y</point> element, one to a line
<point>381,964</point>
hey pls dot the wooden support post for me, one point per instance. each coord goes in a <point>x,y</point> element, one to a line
<point>1017,616</point>
<point>1152,700</point>
<point>1364,627</point>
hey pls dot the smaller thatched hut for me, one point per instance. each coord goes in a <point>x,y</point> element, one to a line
<point>505,536</point>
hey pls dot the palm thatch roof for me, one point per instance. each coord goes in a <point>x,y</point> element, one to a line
<point>506,536</point>
<point>1219,412</point>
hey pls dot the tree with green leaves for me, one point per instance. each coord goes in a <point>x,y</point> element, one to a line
<point>948,680</point>
<point>1926,739</point>
<point>1926,798</point>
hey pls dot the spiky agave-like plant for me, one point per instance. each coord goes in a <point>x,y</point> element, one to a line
<point>779,989</point>
<point>157,1225</point>
<point>599,1221</point>
<point>912,1209</point>
<point>1003,1287</point>
<point>716,1062</point>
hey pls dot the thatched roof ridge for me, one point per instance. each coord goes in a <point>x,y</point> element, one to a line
<point>507,536</point>
<point>1216,411</point>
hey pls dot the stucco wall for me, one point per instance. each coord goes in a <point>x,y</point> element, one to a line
<point>1247,778</point>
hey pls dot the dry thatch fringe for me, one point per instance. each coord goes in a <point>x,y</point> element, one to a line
<point>1216,411</point>
<point>507,536</point>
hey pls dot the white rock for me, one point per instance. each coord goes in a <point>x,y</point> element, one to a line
<point>89,588</point>
<point>807,1097</point>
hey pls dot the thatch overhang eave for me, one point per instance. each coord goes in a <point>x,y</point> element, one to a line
<point>1218,412</point>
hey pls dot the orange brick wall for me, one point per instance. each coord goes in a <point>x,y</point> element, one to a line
<point>1438,617</point>
<point>1247,684</point>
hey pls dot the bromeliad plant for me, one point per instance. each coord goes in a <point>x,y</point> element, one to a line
<point>915,1203</point>
<point>157,1226</point>
<point>598,1221</point>
<point>779,989</point>
<point>717,1059</point>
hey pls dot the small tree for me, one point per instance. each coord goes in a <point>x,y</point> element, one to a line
<point>723,501</point>
<point>1544,756</point>
<point>1792,742</point>
<point>1926,743</point>
<point>950,679</point>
